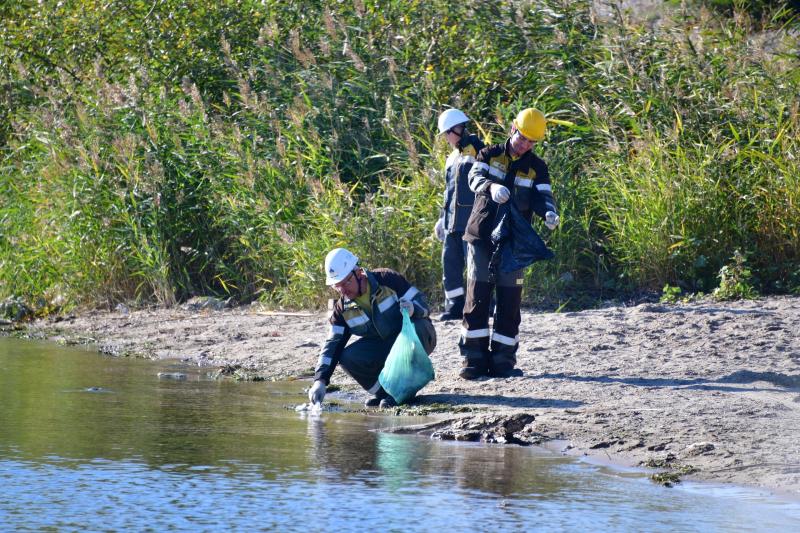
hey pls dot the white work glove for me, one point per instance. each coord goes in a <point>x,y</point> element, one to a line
<point>500,193</point>
<point>408,306</point>
<point>439,230</point>
<point>317,392</point>
<point>551,220</point>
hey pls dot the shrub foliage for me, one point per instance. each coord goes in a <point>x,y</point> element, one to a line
<point>157,150</point>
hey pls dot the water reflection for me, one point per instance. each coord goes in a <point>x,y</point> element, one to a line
<point>346,451</point>
<point>143,453</point>
<point>337,446</point>
<point>50,410</point>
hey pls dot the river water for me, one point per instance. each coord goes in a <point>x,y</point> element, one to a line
<point>93,443</point>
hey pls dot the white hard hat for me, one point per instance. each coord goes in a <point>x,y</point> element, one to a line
<point>451,118</point>
<point>338,265</point>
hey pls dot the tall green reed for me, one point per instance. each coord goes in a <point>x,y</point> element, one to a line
<point>233,163</point>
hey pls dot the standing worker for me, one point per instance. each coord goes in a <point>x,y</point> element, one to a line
<point>369,307</point>
<point>503,172</point>
<point>458,200</point>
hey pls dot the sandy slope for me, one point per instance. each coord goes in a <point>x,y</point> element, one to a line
<point>715,386</point>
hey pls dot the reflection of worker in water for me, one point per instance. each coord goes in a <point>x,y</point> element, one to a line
<point>380,459</point>
<point>351,450</point>
<point>401,459</point>
<point>347,449</point>
<point>369,307</point>
<point>504,470</point>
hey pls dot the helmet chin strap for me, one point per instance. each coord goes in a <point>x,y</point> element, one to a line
<point>461,136</point>
<point>359,278</point>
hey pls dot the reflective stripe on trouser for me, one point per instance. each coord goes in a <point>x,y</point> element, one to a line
<point>504,352</point>
<point>475,350</point>
<point>363,360</point>
<point>508,291</point>
<point>454,254</point>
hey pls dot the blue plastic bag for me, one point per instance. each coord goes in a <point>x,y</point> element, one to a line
<point>517,245</point>
<point>408,367</point>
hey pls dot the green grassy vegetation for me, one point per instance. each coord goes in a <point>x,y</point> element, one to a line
<point>152,151</point>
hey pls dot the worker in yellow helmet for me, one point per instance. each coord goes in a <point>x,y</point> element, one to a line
<point>505,172</point>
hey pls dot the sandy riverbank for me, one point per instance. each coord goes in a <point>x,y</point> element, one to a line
<point>709,385</point>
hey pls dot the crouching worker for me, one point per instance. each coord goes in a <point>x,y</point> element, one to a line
<point>369,307</point>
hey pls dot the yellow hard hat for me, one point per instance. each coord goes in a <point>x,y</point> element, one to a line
<point>531,123</point>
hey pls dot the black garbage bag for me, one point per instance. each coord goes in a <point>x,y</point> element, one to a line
<point>516,243</point>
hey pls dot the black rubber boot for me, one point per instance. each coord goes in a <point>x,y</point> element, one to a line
<point>473,371</point>
<point>474,367</point>
<point>453,309</point>
<point>476,359</point>
<point>376,400</point>
<point>387,403</point>
<point>504,361</point>
<point>505,372</point>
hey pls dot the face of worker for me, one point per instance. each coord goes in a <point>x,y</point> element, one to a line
<point>349,287</point>
<point>519,143</point>
<point>453,135</point>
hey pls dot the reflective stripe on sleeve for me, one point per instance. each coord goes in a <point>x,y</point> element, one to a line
<point>323,361</point>
<point>455,292</point>
<point>335,331</point>
<point>496,172</point>
<point>502,339</point>
<point>386,303</point>
<point>358,321</point>
<point>544,187</point>
<point>479,167</point>
<point>410,293</point>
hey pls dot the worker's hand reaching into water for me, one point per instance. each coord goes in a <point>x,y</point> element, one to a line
<point>317,392</point>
